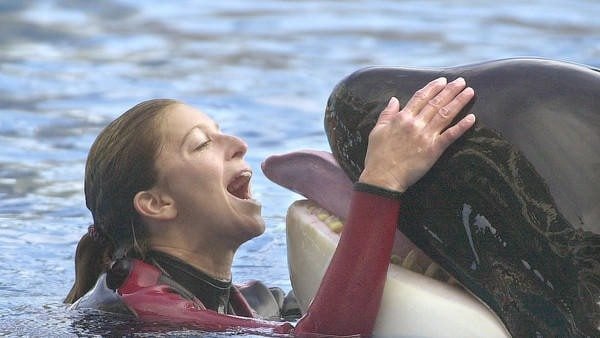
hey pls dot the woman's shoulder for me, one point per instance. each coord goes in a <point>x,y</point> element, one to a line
<point>270,303</point>
<point>101,297</point>
<point>125,276</point>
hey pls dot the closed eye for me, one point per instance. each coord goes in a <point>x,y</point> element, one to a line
<point>202,145</point>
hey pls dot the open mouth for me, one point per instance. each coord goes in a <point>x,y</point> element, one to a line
<point>317,176</point>
<point>240,185</point>
<point>412,259</point>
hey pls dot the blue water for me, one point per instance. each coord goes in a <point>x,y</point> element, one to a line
<point>263,69</point>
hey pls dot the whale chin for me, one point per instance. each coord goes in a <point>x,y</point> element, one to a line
<point>412,304</point>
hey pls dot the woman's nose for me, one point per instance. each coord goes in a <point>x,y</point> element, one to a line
<point>236,147</point>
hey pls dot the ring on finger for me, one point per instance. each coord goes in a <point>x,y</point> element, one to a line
<point>444,112</point>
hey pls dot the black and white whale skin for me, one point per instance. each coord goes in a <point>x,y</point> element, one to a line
<point>512,209</point>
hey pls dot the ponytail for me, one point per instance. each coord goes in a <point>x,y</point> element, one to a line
<point>92,257</point>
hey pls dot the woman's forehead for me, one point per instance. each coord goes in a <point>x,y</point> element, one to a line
<point>180,119</point>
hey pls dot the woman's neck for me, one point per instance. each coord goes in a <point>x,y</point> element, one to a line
<point>216,263</point>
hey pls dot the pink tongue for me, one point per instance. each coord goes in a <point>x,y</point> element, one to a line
<point>313,174</point>
<point>235,187</point>
<point>317,176</point>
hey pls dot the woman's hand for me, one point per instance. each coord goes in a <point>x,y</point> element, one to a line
<point>404,144</point>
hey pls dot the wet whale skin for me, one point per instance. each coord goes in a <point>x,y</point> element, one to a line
<point>512,209</point>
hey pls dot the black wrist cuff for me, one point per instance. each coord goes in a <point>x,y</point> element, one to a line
<point>373,189</point>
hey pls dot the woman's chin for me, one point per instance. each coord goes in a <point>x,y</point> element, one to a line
<point>251,224</point>
<point>256,226</point>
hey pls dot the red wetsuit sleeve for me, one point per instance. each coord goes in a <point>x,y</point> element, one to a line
<point>349,296</point>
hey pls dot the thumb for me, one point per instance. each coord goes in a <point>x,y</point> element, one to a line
<point>388,113</point>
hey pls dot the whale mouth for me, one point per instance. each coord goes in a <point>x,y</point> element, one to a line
<point>317,176</point>
<point>404,254</point>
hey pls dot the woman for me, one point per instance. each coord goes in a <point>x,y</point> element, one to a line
<point>170,198</point>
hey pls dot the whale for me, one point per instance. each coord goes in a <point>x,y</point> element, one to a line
<point>512,209</point>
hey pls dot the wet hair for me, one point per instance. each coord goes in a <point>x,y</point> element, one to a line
<point>121,162</point>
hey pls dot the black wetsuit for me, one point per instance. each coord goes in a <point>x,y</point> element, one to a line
<point>215,294</point>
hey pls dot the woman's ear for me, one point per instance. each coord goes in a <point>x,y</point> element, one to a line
<point>151,204</point>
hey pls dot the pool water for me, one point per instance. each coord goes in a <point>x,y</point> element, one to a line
<point>262,69</point>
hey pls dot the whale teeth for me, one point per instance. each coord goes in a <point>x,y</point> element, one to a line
<point>336,226</point>
<point>395,259</point>
<point>432,270</point>
<point>453,281</point>
<point>410,262</point>
<point>332,221</point>
<point>322,216</point>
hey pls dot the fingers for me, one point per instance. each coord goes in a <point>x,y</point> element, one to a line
<point>453,133</point>
<point>388,113</point>
<point>444,115</point>
<point>405,144</point>
<point>437,104</point>
<point>418,101</point>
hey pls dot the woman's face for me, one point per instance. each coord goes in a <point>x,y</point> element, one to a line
<point>204,173</point>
